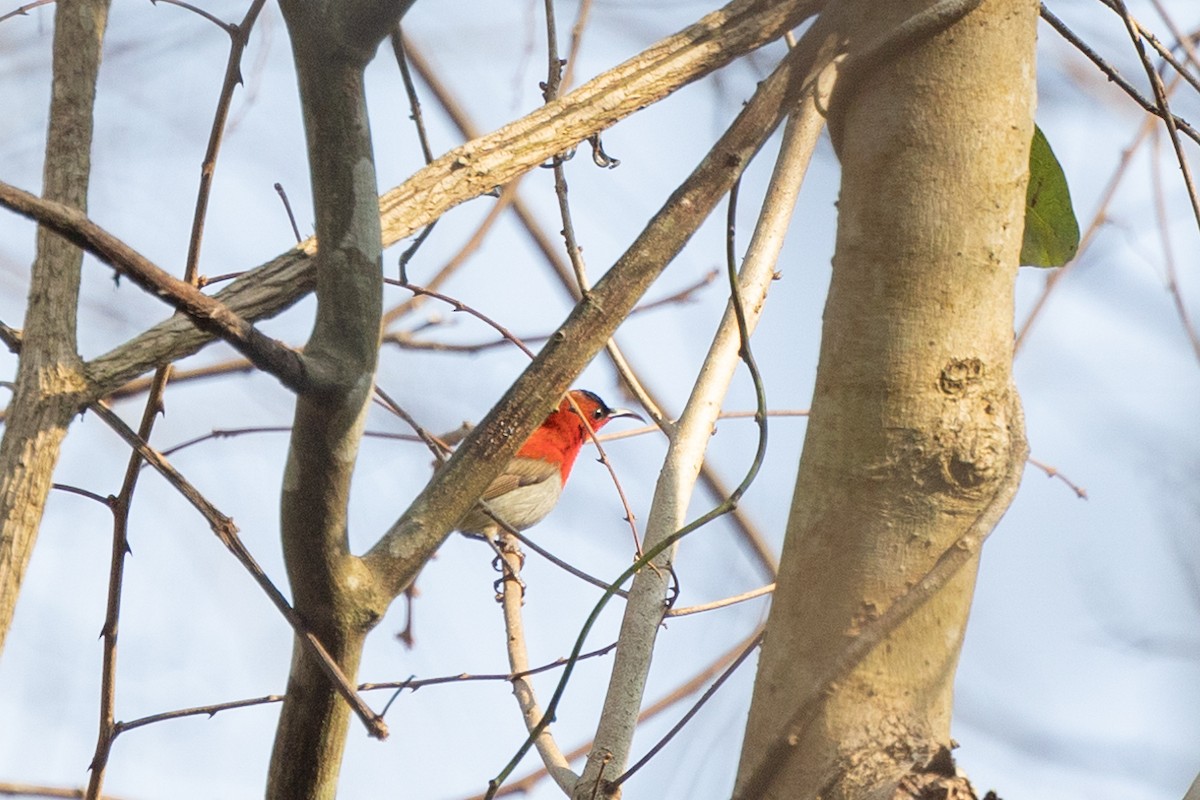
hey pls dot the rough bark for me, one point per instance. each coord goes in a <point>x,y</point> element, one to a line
<point>915,432</point>
<point>50,380</point>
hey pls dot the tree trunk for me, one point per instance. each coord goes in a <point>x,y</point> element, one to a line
<point>50,382</point>
<point>915,439</point>
<point>332,43</point>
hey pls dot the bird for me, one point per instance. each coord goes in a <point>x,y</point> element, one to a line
<point>533,480</point>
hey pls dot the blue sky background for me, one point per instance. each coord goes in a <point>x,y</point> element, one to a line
<point>1080,674</point>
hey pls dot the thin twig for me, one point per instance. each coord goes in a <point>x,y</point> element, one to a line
<point>287,208</point>
<point>1180,69</point>
<point>602,457</point>
<point>406,340</point>
<point>227,532</point>
<point>12,789</point>
<point>691,712</point>
<point>472,244</point>
<point>1111,73</point>
<point>410,89</point>
<point>581,21</point>
<point>1183,39</point>
<point>436,446</point>
<point>414,103</point>
<point>722,603</point>
<point>101,499</point>
<point>563,565</point>
<point>121,507</point>
<point>22,11</point>
<point>459,305</point>
<point>685,295</point>
<point>220,23</point>
<point>239,35</point>
<point>228,433</point>
<point>412,684</point>
<point>1052,472</point>
<point>681,692</point>
<point>512,597</point>
<point>198,711</point>
<point>233,366</point>
<point>1168,118</point>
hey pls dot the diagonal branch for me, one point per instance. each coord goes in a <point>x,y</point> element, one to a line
<point>206,312</point>
<point>550,253</point>
<point>479,166</point>
<point>397,557</point>
<point>225,530</point>
<point>673,493</point>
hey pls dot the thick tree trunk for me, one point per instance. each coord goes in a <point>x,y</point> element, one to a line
<point>915,438</point>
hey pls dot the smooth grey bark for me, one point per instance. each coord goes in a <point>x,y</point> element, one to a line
<point>332,43</point>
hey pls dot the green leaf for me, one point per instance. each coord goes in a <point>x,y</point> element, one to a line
<point>1051,230</point>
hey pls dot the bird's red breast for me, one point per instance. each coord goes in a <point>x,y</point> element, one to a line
<point>532,481</point>
<point>559,439</point>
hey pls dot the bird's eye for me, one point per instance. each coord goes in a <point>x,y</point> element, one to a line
<point>598,413</point>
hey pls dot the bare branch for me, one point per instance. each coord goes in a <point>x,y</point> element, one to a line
<point>227,532</point>
<point>22,11</point>
<point>479,166</point>
<point>722,603</point>
<point>673,492</point>
<point>512,597</point>
<point>399,555</point>
<point>691,712</point>
<point>680,692</point>
<point>1164,112</point>
<point>207,313</point>
<point>1111,73</point>
<point>11,789</point>
<point>1052,472</point>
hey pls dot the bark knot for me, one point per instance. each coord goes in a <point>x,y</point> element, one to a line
<point>961,376</point>
<point>972,442</point>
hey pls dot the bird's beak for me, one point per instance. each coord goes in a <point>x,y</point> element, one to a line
<point>613,413</point>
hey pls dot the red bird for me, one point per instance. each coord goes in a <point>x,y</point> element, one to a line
<point>530,485</point>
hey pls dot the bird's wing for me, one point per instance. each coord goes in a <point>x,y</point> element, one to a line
<point>520,472</point>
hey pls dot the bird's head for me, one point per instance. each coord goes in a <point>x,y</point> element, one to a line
<point>564,431</point>
<point>592,408</point>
